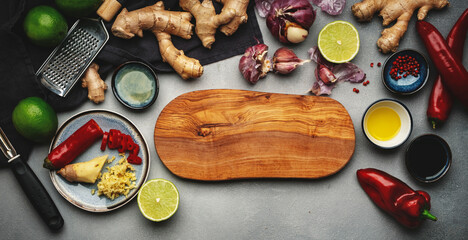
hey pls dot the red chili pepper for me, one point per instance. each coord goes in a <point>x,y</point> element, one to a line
<point>407,206</point>
<point>454,74</point>
<point>73,146</point>
<point>440,100</point>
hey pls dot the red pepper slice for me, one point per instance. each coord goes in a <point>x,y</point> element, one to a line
<point>407,206</point>
<point>136,150</point>
<point>134,159</point>
<point>114,139</point>
<point>130,144</point>
<point>440,100</point>
<point>73,146</point>
<point>104,141</point>
<point>123,143</point>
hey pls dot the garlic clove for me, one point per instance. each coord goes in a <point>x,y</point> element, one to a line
<point>286,61</point>
<point>296,34</point>
<point>325,74</point>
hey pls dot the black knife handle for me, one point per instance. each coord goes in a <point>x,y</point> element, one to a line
<point>37,194</point>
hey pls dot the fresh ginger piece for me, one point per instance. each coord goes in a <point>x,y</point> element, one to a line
<point>93,81</point>
<point>185,66</point>
<point>207,21</point>
<point>390,10</point>
<point>86,172</point>
<point>162,23</point>
<point>241,15</point>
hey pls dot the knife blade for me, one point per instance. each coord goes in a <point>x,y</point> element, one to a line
<point>35,191</point>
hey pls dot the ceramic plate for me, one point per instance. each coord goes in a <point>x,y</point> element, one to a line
<point>79,194</point>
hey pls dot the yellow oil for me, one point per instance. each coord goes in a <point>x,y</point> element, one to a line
<point>383,123</point>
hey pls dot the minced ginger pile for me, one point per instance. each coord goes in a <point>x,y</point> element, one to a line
<point>119,179</point>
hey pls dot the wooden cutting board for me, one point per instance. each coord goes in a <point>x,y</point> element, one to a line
<point>231,134</point>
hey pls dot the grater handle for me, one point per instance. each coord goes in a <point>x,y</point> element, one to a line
<point>109,9</point>
<point>36,193</point>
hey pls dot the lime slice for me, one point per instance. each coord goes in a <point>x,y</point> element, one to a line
<point>158,199</point>
<point>338,42</point>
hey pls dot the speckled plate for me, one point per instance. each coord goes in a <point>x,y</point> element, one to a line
<point>79,194</point>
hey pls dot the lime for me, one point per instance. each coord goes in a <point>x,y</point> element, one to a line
<point>78,8</point>
<point>158,199</point>
<point>35,119</point>
<point>338,42</point>
<point>45,26</point>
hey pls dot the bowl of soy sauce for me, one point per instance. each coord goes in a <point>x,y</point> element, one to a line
<point>428,158</point>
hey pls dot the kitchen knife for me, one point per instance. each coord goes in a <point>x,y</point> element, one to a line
<point>31,185</point>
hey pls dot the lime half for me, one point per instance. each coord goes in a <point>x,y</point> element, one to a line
<point>158,199</point>
<point>338,42</point>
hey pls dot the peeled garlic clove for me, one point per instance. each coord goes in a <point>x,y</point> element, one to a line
<point>296,34</point>
<point>255,64</point>
<point>325,74</point>
<point>285,61</point>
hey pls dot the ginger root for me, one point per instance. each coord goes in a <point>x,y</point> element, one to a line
<point>241,15</point>
<point>390,10</point>
<point>207,21</point>
<point>163,24</point>
<point>93,81</point>
<point>86,172</point>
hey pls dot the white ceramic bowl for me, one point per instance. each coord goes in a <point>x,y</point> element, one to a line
<point>405,128</point>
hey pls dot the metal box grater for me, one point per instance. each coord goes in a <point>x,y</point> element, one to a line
<point>65,65</point>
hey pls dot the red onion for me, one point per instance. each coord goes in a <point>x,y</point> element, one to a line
<point>289,20</point>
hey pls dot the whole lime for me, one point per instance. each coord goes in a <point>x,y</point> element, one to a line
<point>45,26</point>
<point>35,119</point>
<point>78,8</point>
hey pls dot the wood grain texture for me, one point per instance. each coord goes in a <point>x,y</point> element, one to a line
<point>231,134</point>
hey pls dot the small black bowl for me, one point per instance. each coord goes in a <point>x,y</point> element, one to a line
<point>428,158</point>
<point>409,84</point>
<point>135,85</point>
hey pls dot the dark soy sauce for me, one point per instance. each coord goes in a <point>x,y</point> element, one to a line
<point>428,158</point>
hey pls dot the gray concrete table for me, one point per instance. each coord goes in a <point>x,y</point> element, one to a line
<point>332,208</point>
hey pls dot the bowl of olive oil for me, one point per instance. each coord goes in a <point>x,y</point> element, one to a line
<point>387,123</point>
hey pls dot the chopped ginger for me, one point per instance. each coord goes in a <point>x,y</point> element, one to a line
<point>119,179</point>
<point>111,160</point>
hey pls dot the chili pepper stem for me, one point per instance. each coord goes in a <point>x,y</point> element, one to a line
<point>428,215</point>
